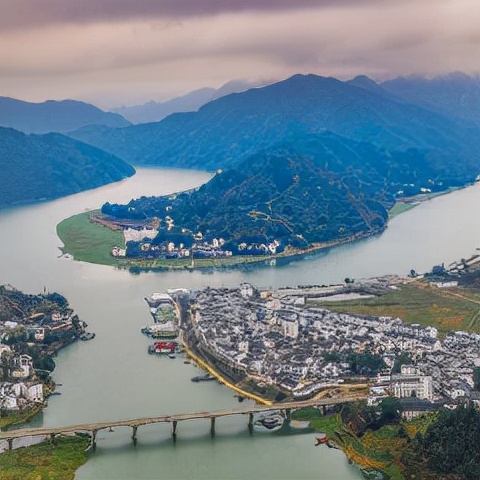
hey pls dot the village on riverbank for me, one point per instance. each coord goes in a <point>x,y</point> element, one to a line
<point>33,328</point>
<point>96,238</point>
<point>313,341</point>
<point>304,342</point>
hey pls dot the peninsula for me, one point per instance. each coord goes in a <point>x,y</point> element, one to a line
<point>143,241</point>
<point>298,343</point>
<point>33,328</point>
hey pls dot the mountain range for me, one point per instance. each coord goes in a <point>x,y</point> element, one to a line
<point>54,116</point>
<point>228,130</point>
<point>191,102</point>
<point>44,167</point>
<point>305,160</point>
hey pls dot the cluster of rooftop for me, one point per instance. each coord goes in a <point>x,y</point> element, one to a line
<point>283,339</point>
<point>32,329</point>
<point>22,390</point>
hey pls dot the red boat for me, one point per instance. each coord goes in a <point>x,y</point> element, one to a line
<point>163,347</point>
<point>321,441</point>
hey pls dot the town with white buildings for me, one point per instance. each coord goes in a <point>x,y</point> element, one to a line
<point>286,339</point>
<point>22,390</point>
<point>32,329</point>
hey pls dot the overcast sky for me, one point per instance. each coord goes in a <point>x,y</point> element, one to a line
<point>114,52</point>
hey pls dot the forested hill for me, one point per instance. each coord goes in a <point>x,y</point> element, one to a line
<point>319,188</point>
<point>54,116</point>
<point>232,128</point>
<point>41,167</point>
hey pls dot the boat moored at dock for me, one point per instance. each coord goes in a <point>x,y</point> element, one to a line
<point>161,330</point>
<point>163,348</point>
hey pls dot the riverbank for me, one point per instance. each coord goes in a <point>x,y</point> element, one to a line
<point>13,419</point>
<point>33,330</point>
<point>403,204</point>
<point>57,460</point>
<point>87,240</point>
<point>376,451</point>
<point>243,393</point>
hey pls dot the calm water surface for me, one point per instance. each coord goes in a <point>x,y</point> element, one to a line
<point>113,377</point>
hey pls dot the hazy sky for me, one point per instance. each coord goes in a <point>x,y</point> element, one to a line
<point>114,52</point>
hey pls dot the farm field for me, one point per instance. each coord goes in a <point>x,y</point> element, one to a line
<point>419,302</point>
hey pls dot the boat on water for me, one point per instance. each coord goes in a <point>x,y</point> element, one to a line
<point>270,422</point>
<point>163,348</point>
<point>87,336</point>
<point>203,378</point>
<point>324,440</point>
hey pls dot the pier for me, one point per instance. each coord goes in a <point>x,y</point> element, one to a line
<point>249,411</point>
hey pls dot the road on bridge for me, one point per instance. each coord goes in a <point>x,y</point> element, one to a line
<point>137,422</point>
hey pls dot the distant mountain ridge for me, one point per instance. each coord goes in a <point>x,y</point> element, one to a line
<point>54,116</point>
<point>230,129</point>
<point>156,111</point>
<point>455,94</point>
<point>44,167</point>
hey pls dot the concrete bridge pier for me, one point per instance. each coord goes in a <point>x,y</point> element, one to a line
<point>134,434</point>
<point>52,438</point>
<point>324,409</point>
<point>174,430</point>
<point>10,443</point>
<point>250,423</point>
<point>288,414</point>
<point>212,427</point>
<point>93,441</point>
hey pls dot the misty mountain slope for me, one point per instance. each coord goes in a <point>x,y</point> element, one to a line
<point>54,116</point>
<point>230,129</point>
<point>456,94</point>
<point>40,167</point>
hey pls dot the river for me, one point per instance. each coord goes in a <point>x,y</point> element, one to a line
<point>113,377</point>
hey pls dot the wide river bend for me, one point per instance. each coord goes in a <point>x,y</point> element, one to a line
<point>113,377</point>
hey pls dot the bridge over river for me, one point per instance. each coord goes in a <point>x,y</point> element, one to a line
<point>93,428</point>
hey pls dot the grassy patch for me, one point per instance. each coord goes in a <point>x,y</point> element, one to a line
<point>380,450</point>
<point>45,461</point>
<point>399,208</point>
<point>17,418</point>
<point>419,424</point>
<point>328,424</point>
<point>307,413</point>
<point>418,303</point>
<point>87,241</point>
